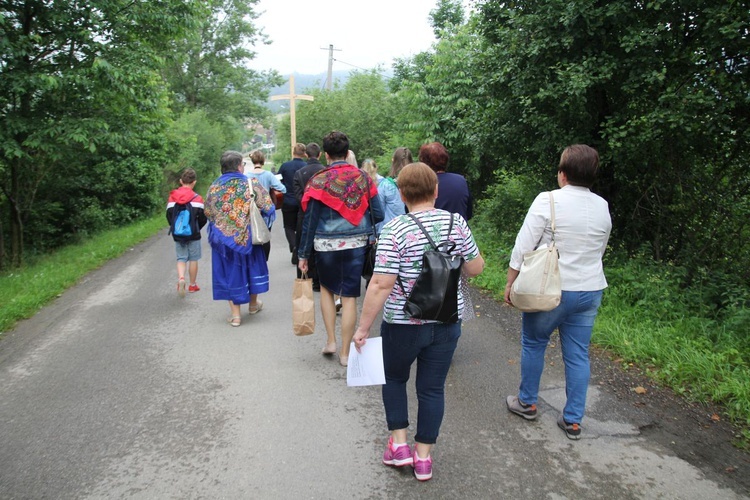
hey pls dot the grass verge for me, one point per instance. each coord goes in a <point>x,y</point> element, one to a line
<point>25,290</point>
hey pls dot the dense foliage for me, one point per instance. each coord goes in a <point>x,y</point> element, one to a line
<point>99,98</point>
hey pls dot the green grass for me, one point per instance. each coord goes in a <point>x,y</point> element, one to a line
<point>25,290</point>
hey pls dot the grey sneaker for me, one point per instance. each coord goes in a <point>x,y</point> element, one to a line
<point>522,410</point>
<point>573,431</point>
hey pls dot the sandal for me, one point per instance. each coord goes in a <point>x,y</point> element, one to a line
<point>234,321</point>
<point>256,309</point>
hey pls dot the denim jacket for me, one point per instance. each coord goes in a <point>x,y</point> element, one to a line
<point>324,222</point>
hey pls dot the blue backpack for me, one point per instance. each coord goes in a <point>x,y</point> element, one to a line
<point>184,223</point>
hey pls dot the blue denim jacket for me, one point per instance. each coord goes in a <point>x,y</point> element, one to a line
<point>324,222</point>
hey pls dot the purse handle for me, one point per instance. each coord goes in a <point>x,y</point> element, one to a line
<point>369,207</point>
<point>552,214</point>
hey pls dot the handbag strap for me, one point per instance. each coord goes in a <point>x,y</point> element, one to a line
<point>369,207</point>
<point>552,214</point>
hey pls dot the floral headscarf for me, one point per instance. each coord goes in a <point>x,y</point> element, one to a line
<point>227,207</point>
<point>344,188</point>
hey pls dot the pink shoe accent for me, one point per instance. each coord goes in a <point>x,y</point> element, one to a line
<point>399,457</point>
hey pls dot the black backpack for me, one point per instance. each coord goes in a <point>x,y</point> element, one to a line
<point>435,292</point>
<point>184,221</point>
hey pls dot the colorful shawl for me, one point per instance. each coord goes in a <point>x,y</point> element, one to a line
<point>344,188</point>
<point>227,207</point>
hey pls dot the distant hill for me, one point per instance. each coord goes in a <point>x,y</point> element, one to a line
<point>304,84</point>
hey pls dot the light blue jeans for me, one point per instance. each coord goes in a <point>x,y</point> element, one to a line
<point>574,318</point>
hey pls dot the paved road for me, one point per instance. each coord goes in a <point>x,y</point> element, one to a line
<point>119,389</point>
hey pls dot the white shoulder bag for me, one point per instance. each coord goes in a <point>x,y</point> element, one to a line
<point>537,287</point>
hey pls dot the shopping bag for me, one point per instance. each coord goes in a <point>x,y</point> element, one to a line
<point>303,306</point>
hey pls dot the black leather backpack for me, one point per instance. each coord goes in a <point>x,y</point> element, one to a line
<point>435,292</point>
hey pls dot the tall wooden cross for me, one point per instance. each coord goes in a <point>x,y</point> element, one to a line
<point>292,97</point>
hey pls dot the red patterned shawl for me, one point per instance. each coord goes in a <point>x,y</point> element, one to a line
<point>343,188</point>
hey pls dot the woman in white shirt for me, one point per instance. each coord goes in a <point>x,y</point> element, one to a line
<point>583,225</point>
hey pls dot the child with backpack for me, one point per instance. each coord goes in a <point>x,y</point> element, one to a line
<point>186,218</point>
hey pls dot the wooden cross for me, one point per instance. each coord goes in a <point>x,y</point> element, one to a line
<point>292,97</point>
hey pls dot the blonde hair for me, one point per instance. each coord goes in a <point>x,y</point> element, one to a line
<point>370,168</point>
<point>351,159</point>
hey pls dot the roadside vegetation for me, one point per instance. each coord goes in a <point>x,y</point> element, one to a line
<point>25,290</point>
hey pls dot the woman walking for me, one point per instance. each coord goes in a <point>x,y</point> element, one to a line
<point>582,227</point>
<point>240,271</point>
<point>405,339</point>
<point>337,204</point>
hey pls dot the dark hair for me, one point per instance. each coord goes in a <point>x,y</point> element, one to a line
<point>336,145</point>
<point>401,158</point>
<point>299,150</point>
<point>417,182</point>
<point>231,161</point>
<point>312,150</point>
<point>257,157</point>
<point>580,164</point>
<point>434,155</point>
<point>188,176</point>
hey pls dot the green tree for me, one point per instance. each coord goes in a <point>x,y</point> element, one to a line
<point>77,79</point>
<point>207,69</point>
<point>661,89</point>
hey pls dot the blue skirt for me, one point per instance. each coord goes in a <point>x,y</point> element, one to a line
<point>236,276</point>
<point>341,271</point>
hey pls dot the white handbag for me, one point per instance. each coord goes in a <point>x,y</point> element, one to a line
<point>537,287</point>
<point>260,232</point>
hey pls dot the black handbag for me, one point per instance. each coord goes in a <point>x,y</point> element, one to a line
<point>435,292</point>
<point>371,249</point>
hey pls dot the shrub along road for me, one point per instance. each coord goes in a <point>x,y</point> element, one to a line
<point>119,388</point>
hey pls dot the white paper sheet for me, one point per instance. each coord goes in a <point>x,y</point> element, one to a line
<point>366,368</point>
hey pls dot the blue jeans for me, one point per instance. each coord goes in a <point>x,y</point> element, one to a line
<point>574,318</point>
<point>432,345</point>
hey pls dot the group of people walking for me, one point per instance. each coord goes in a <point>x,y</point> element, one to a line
<point>340,209</point>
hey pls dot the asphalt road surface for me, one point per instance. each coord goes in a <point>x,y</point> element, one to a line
<point>120,389</point>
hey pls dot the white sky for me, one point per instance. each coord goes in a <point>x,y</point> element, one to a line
<point>368,33</point>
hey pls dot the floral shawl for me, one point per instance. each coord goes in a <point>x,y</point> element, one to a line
<point>344,188</point>
<point>227,207</point>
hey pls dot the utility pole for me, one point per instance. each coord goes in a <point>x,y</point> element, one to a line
<point>330,49</point>
<point>292,105</point>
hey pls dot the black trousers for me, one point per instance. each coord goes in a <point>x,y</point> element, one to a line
<point>291,219</point>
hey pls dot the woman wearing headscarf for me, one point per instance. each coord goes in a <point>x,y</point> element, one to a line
<point>337,204</point>
<point>239,268</point>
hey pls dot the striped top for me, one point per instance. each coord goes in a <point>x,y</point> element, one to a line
<point>400,249</point>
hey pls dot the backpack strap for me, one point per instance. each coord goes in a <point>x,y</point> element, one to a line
<point>432,242</point>
<point>429,238</point>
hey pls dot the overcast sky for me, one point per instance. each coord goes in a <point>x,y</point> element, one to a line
<point>367,33</point>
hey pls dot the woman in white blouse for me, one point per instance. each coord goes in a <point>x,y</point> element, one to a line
<point>583,225</point>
